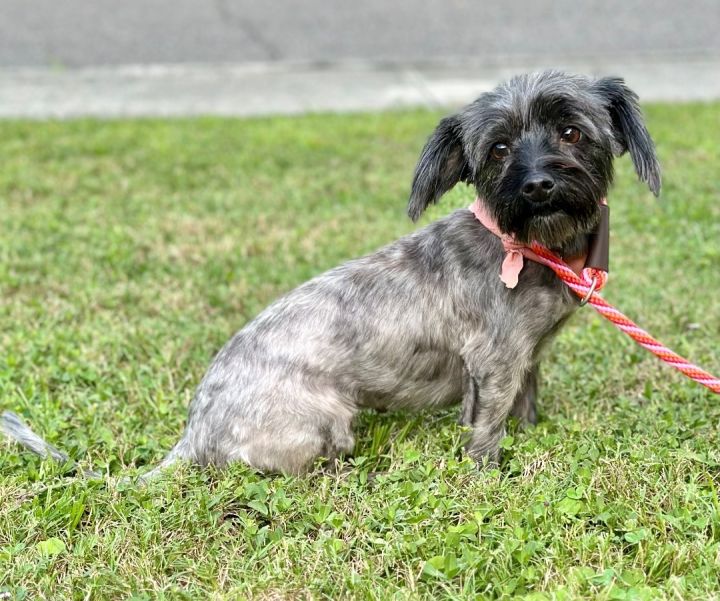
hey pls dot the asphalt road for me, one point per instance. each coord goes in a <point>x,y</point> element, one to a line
<point>108,58</point>
<point>79,33</point>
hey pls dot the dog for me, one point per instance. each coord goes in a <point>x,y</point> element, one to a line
<point>426,322</point>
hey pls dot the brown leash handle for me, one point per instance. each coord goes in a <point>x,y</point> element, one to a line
<point>599,243</point>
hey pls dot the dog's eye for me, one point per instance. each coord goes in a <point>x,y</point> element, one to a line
<point>499,151</point>
<point>571,135</point>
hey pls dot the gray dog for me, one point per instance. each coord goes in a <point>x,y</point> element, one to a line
<point>425,321</point>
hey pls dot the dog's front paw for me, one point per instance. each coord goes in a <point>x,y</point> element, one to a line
<point>485,458</point>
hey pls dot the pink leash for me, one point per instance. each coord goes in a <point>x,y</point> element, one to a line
<point>586,285</point>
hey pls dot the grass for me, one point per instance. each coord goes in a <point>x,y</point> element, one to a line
<point>131,250</point>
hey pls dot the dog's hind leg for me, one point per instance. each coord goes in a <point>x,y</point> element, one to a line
<point>287,430</point>
<point>295,449</point>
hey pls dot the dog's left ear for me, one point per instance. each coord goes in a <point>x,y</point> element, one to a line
<point>630,130</point>
<point>442,164</point>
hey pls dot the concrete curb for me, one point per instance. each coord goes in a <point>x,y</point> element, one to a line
<point>293,88</point>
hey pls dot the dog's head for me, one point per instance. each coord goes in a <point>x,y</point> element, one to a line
<point>539,151</point>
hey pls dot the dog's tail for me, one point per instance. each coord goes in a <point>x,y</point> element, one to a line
<point>14,428</point>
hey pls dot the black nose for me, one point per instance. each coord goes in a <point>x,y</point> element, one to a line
<point>538,188</point>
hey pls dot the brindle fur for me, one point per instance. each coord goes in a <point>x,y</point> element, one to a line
<point>426,322</point>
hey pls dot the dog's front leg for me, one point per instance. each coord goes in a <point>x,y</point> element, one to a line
<point>524,407</point>
<point>496,377</point>
<point>469,399</point>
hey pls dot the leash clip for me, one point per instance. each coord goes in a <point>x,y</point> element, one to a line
<point>590,292</point>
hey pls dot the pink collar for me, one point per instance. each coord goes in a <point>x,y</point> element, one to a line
<point>514,251</point>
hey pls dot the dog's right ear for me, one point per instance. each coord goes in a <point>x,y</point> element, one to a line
<point>442,164</point>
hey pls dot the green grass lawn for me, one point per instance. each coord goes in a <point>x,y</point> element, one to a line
<point>131,250</point>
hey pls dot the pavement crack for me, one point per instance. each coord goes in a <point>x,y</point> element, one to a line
<point>249,29</point>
